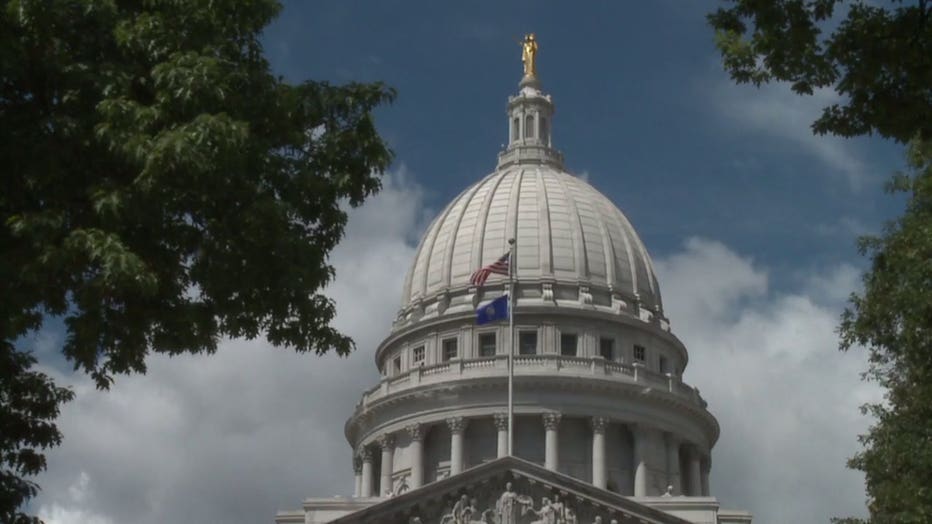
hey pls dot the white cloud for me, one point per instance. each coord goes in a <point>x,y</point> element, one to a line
<point>236,436</point>
<point>768,365</point>
<point>776,111</point>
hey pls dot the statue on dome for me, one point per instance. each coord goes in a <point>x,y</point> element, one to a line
<point>528,54</point>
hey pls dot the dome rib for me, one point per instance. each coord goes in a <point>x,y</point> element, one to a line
<point>567,232</point>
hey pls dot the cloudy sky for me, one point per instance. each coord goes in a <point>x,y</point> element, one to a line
<point>751,222</point>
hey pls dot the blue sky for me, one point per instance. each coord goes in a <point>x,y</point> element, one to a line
<point>751,222</point>
<point>643,107</point>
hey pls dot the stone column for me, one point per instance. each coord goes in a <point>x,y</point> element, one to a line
<point>551,441</point>
<point>640,461</point>
<point>706,466</point>
<point>357,476</point>
<point>367,472</point>
<point>599,476</point>
<point>501,424</point>
<point>673,464</point>
<point>457,427</point>
<point>417,456</point>
<point>387,443</point>
<point>695,477</point>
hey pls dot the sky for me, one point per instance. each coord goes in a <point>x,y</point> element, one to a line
<point>750,219</point>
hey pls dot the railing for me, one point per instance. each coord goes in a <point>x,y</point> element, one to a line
<point>525,365</point>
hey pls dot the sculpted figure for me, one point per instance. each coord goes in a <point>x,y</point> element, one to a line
<point>546,514</point>
<point>528,53</point>
<point>507,506</point>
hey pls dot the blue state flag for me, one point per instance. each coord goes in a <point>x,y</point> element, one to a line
<point>493,311</point>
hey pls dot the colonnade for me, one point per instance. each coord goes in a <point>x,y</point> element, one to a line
<point>696,477</point>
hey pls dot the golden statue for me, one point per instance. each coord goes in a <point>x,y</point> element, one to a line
<point>528,53</point>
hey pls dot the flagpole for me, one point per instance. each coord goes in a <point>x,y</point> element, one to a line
<point>512,265</point>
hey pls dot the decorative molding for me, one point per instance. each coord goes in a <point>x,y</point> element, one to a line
<point>416,431</point>
<point>501,421</point>
<point>599,424</point>
<point>386,441</point>
<point>552,420</point>
<point>457,424</point>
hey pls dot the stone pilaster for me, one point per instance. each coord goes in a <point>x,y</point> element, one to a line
<point>357,476</point>
<point>457,426</point>
<point>640,460</point>
<point>387,443</point>
<point>416,431</point>
<point>599,472</point>
<point>501,426</point>
<point>551,440</point>
<point>366,456</point>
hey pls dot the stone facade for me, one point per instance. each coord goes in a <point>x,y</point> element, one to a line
<point>599,394</point>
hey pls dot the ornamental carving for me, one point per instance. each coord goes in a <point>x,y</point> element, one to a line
<point>501,421</point>
<point>386,441</point>
<point>416,431</point>
<point>534,504</point>
<point>599,424</point>
<point>457,424</point>
<point>552,420</point>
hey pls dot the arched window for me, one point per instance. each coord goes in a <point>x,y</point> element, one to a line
<point>544,131</point>
<point>529,126</point>
<point>516,129</point>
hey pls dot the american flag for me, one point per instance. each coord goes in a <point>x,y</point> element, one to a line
<point>499,267</point>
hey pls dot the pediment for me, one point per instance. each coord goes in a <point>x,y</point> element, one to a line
<point>536,495</point>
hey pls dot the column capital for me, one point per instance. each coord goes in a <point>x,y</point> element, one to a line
<point>366,454</point>
<point>457,424</point>
<point>416,431</point>
<point>552,420</point>
<point>357,464</point>
<point>599,424</point>
<point>386,441</point>
<point>501,421</point>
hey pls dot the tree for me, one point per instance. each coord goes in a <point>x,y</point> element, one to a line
<point>878,58</point>
<point>161,189</point>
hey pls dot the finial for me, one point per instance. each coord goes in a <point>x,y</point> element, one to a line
<point>528,55</point>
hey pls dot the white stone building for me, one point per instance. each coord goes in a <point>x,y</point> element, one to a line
<point>605,426</point>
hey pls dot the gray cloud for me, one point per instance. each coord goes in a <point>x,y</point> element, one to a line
<point>235,436</point>
<point>774,110</point>
<point>768,365</point>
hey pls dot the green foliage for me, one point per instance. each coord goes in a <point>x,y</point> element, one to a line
<point>161,190</point>
<point>893,318</point>
<point>879,59</point>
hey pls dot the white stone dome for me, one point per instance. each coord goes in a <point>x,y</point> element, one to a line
<point>566,232</point>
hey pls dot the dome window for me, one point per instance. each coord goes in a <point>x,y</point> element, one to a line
<point>607,348</point>
<point>527,343</point>
<point>449,349</point>
<point>396,365</point>
<point>664,365</point>
<point>516,129</point>
<point>529,126</point>
<point>640,353</point>
<point>544,131</point>
<point>417,355</point>
<point>487,344</point>
<point>568,344</point>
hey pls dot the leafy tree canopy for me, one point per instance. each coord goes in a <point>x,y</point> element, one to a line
<point>878,57</point>
<point>161,189</point>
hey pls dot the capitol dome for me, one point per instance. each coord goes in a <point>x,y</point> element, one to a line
<point>587,380</point>
<point>565,230</point>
